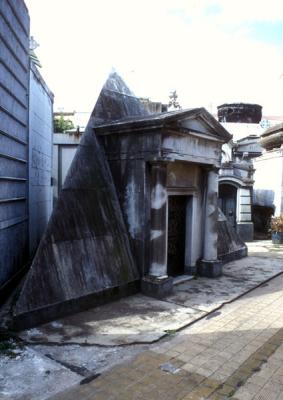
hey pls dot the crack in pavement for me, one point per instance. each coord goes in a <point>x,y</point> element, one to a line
<point>74,368</point>
<point>135,343</point>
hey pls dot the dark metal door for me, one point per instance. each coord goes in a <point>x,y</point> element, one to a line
<point>228,202</point>
<point>176,234</point>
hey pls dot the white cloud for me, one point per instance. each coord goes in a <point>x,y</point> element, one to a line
<point>230,11</point>
<point>252,10</point>
<point>199,47</point>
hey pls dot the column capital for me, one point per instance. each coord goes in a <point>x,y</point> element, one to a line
<point>158,163</point>
<point>212,168</point>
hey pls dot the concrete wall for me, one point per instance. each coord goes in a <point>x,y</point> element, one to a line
<point>64,148</point>
<point>268,186</point>
<point>40,157</point>
<point>14,87</point>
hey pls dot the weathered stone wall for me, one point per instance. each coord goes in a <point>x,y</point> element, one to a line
<point>131,178</point>
<point>14,88</point>
<point>183,175</point>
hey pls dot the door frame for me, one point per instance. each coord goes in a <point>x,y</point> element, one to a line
<point>190,216</point>
<point>235,196</point>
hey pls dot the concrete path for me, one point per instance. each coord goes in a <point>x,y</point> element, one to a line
<point>138,330</point>
<point>140,319</point>
<point>265,248</point>
<point>235,353</point>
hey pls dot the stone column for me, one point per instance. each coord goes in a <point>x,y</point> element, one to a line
<point>210,266</point>
<point>158,221</point>
<point>157,283</point>
<point>211,216</point>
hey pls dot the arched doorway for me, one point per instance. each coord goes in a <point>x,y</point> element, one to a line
<point>228,202</point>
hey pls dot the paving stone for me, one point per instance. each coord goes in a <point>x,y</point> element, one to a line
<point>218,358</point>
<point>226,390</point>
<point>251,388</point>
<point>211,383</point>
<point>199,393</point>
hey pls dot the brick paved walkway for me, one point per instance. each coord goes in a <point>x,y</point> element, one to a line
<point>234,353</point>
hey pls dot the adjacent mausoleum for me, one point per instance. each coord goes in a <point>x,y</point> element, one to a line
<point>236,177</point>
<point>268,189</point>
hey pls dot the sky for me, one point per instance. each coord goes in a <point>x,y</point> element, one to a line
<point>209,51</point>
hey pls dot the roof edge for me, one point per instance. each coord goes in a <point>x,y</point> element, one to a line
<point>158,121</point>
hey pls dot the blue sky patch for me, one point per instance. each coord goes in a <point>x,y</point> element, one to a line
<point>212,10</point>
<point>270,32</point>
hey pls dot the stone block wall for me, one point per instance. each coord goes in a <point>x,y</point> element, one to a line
<point>14,88</point>
<point>40,157</point>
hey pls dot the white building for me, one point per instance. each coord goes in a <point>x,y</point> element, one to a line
<point>268,188</point>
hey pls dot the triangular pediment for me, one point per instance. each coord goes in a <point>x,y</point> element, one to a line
<point>195,121</point>
<point>117,109</point>
<point>199,122</point>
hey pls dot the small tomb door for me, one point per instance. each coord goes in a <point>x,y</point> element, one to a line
<point>176,234</point>
<point>228,202</point>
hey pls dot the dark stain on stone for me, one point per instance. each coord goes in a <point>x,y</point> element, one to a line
<point>213,315</point>
<point>89,379</point>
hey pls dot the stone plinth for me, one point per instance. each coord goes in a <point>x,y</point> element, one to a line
<point>210,269</point>
<point>157,287</point>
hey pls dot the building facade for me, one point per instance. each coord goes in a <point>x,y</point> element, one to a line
<point>268,188</point>
<point>26,130</point>
<point>14,138</point>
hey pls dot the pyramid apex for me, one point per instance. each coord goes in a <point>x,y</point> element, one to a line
<point>116,101</point>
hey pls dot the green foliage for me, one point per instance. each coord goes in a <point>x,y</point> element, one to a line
<point>61,125</point>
